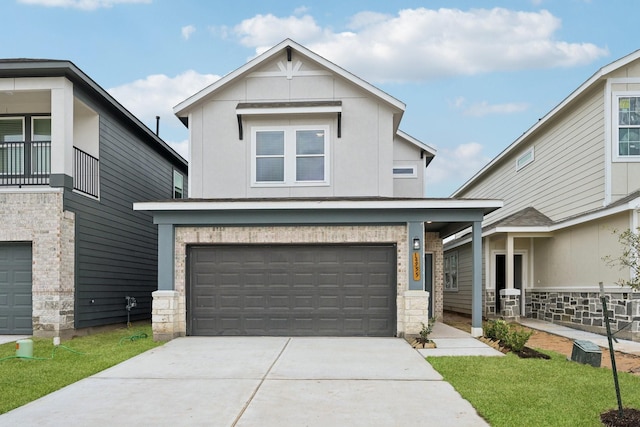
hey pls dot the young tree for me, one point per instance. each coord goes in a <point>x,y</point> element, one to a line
<point>629,259</point>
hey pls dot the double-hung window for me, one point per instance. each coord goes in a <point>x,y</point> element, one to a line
<point>628,125</point>
<point>290,155</point>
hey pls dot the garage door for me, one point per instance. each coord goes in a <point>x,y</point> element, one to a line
<point>15,289</point>
<point>292,290</point>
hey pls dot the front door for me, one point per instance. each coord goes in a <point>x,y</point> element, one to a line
<point>501,275</point>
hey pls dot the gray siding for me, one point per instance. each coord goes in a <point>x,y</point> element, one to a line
<point>116,248</point>
<point>567,175</point>
<point>461,300</point>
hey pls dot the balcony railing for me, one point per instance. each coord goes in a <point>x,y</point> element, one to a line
<point>86,173</point>
<point>29,163</point>
<point>25,163</point>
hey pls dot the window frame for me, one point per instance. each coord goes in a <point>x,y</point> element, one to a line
<point>413,174</point>
<point>525,158</point>
<point>615,126</point>
<point>182,192</point>
<point>4,169</point>
<point>38,145</point>
<point>291,156</point>
<point>452,284</point>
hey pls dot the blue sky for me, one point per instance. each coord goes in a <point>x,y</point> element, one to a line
<point>474,75</point>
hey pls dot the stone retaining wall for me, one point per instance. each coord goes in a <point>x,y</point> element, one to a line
<point>583,310</point>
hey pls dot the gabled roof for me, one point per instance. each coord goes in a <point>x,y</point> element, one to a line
<point>29,67</point>
<point>526,217</point>
<point>594,79</point>
<point>181,109</point>
<point>428,150</point>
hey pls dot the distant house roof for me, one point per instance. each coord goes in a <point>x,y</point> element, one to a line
<point>526,217</point>
<point>595,78</point>
<point>31,67</point>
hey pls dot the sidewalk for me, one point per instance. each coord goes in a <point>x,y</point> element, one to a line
<point>624,346</point>
<point>451,341</point>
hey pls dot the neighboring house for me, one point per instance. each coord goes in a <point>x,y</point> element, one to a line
<point>567,183</point>
<point>307,212</point>
<point>72,162</point>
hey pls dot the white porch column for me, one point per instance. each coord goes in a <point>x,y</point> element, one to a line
<point>476,280</point>
<point>62,127</point>
<point>509,263</point>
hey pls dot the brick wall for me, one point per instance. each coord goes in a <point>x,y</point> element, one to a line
<point>303,234</point>
<point>38,217</point>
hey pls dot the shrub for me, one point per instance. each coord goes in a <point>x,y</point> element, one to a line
<point>425,331</point>
<point>497,329</point>
<point>517,338</point>
<point>509,335</point>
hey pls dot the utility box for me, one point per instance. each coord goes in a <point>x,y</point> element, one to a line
<point>587,353</point>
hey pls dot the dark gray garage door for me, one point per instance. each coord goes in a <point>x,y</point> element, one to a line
<point>15,288</point>
<point>292,290</point>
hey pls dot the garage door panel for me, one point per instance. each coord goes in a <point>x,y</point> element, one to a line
<point>15,289</point>
<point>292,290</point>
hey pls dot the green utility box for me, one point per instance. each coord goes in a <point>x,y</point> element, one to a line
<point>586,352</point>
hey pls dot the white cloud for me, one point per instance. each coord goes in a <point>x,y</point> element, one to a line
<point>156,95</point>
<point>187,31</point>
<point>422,44</point>
<point>484,108</point>
<point>452,168</point>
<point>264,31</point>
<point>81,4</point>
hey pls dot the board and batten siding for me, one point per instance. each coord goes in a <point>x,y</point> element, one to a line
<point>116,247</point>
<point>567,176</point>
<point>460,301</point>
<point>221,161</point>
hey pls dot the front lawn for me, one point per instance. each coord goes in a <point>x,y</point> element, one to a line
<point>510,391</point>
<point>25,380</point>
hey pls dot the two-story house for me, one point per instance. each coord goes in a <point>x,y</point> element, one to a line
<point>567,183</point>
<point>72,162</point>
<point>306,213</point>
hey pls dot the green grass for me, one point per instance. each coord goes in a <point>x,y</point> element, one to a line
<point>509,391</point>
<point>25,380</point>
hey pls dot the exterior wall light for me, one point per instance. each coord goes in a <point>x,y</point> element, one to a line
<point>416,243</point>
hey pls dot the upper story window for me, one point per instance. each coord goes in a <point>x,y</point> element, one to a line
<point>178,185</point>
<point>290,155</point>
<point>405,172</point>
<point>525,158</point>
<point>25,147</point>
<point>628,124</point>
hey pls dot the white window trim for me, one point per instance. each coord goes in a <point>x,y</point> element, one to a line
<point>444,271</point>
<point>290,156</point>
<point>613,114</point>
<point>531,153</point>
<point>413,174</point>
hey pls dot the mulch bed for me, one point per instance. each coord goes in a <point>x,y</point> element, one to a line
<point>525,353</point>
<point>630,418</point>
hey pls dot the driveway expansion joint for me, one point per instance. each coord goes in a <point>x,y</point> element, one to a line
<point>264,377</point>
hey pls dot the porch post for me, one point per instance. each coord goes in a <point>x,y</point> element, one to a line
<point>509,262</point>
<point>476,281</point>
<point>166,253</point>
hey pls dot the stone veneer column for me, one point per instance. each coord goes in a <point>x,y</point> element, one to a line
<point>168,315</point>
<point>510,303</point>
<point>416,311</point>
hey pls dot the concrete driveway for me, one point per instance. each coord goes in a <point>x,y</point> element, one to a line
<point>270,381</point>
